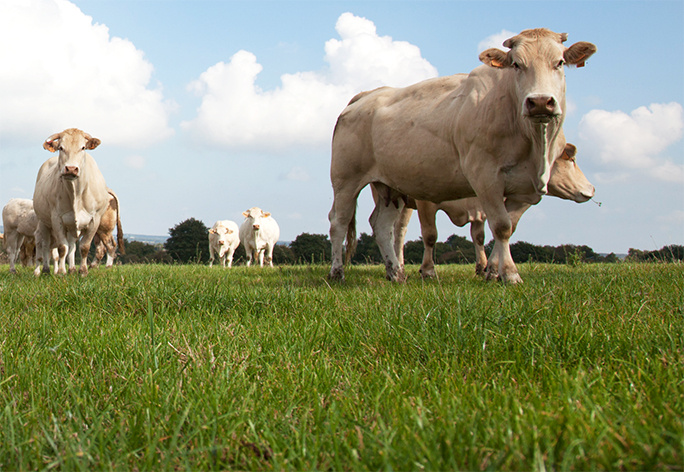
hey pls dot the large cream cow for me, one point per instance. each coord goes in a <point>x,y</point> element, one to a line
<point>567,181</point>
<point>70,199</point>
<point>493,134</point>
<point>259,234</point>
<point>224,239</point>
<point>103,240</point>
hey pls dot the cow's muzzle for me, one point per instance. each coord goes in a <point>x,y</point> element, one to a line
<point>541,108</point>
<point>70,172</point>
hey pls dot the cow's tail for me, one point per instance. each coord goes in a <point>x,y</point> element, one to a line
<point>119,228</point>
<point>351,239</point>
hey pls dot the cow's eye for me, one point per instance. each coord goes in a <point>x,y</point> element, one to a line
<point>61,148</point>
<point>516,66</point>
<point>560,64</point>
<point>83,148</point>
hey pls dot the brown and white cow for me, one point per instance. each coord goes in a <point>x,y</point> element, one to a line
<point>567,181</point>
<point>103,240</point>
<point>259,234</point>
<point>493,134</point>
<point>69,199</point>
<point>224,238</point>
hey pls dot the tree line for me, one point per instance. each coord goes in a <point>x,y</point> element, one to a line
<point>188,243</point>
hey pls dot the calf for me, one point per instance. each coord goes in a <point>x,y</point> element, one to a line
<point>224,239</point>
<point>259,233</point>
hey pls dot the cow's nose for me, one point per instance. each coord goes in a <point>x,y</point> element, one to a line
<point>71,170</point>
<point>255,226</point>
<point>220,243</point>
<point>540,105</point>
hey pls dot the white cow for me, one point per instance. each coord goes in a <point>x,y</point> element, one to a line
<point>70,199</point>
<point>20,223</point>
<point>567,181</point>
<point>224,239</point>
<point>259,233</point>
<point>493,134</point>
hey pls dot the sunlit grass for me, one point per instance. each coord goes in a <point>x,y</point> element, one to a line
<point>189,367</point>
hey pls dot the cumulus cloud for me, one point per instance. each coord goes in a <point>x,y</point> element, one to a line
<point>235,113</point>
<point>68,72</point>
<point>636,141</point>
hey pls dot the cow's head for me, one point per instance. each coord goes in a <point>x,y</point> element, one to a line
<point>567,179</point>
<point>256,214</point>
<point>222,233</point>
<point>72,144</point>
<point>537,57</point>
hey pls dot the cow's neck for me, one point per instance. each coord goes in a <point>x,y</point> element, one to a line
<point>544,136</point>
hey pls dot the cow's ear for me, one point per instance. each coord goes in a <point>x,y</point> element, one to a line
<point>246,214</point>
<point>267,214</point>
<point>578,53</point>
<point>52,143</point>
<point>212,231</point>
<point>495,58</point>
<point>571,150</point>
<point>91,142</point>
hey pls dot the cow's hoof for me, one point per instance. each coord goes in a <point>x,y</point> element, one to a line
<point>428,273</point>
<point>480,270</point>
<point>511,279</point>
<point>336,274</point>
<point>396,275</point>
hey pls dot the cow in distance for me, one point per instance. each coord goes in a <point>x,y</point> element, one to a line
<point>224,239</point>
<point>259,234</point>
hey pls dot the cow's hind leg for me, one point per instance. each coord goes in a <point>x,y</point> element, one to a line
<point>383,221</point>
<point>477,233</point>
<point>427,213</point>
<point>13,242</point>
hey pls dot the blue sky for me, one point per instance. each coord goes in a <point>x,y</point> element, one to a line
<point>207,108</point>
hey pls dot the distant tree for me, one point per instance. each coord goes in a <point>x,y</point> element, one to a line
<point>413,252</point>
<point>138,252</point>
<point>367,251</point>
<point>283,255</point>
<point>311,248</point>
<point>188,241</point>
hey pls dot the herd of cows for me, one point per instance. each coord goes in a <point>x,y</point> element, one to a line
<point>72,204</point>
<point>480,146</point>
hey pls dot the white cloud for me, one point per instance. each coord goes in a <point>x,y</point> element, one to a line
<point>135,161</point>
<point>235,113</point>
<point>68,72</point>
<point>298,174</point>
<point>495,41</point>
<point>636,141</point>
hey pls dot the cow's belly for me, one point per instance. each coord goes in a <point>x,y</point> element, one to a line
<point>435,176</point>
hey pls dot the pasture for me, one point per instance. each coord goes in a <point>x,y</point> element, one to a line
<point>155,367</point>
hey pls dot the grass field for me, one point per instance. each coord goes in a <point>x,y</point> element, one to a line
<point>186,367</point>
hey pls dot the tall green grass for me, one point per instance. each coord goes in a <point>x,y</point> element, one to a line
<point>187,367</point>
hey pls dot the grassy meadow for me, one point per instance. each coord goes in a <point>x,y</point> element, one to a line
<point>154,367</point>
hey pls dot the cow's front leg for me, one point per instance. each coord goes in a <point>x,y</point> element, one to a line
<point>500,263</point>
